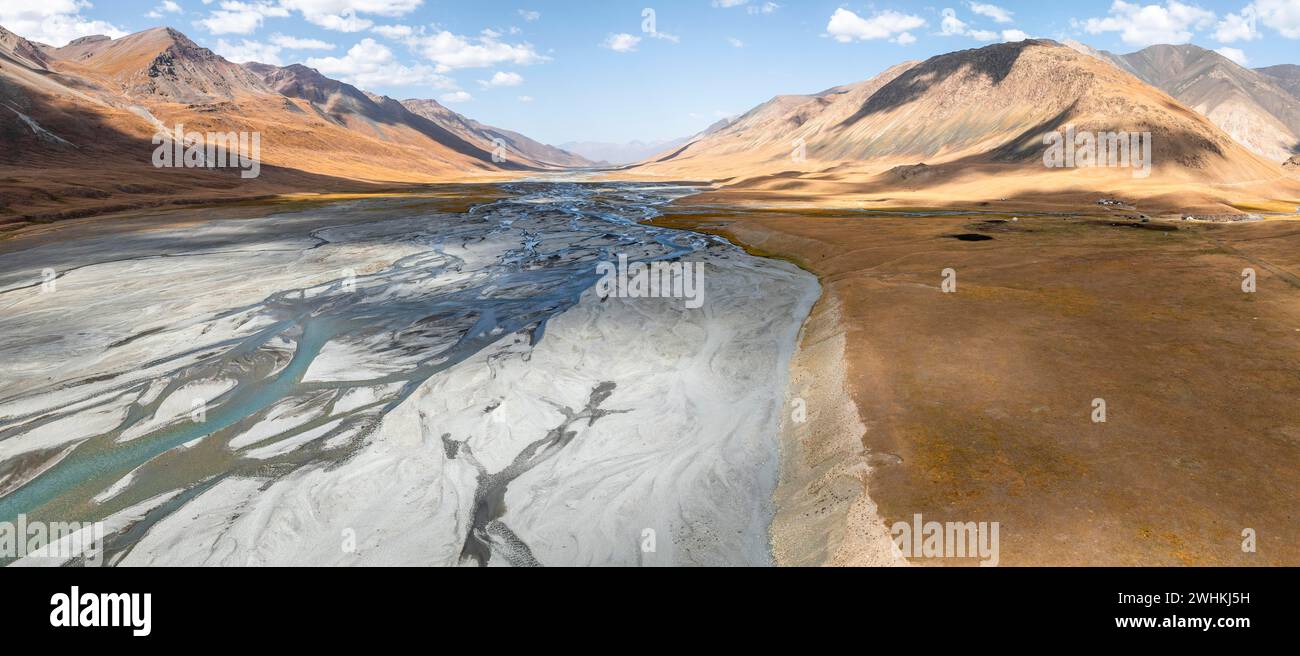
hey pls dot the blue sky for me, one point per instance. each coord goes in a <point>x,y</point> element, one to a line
<point>560,70</point>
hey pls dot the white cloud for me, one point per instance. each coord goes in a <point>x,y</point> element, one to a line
<point>503,79</point>
<point>846,26</point>
<point>452,51</point>
<point>951,25</point>
<point>53,22</point>
<point>905,38</point>
<point>735,43</point>
<point>241,17</point>
<point>249,51</point>
<point>394,31</point>
<point>456,97</point>
<point>295,43</point>
<point>1144,25</point>
<point>525,99</point>
<point>1237,27</point>
<point>622,42</point>
<point>1283,16</point>
<point>756,8</point>
<point>346,15</point>
<point>1235,54</point>
<point>348,22</point>
<point>167,7</point>
<point>370,64</point>
<point>529,15</point>
<point>998,14</point>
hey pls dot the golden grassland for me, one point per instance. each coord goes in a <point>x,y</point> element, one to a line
<point>978,403</point>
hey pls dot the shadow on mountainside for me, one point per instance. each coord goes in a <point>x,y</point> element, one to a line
<point>992,63</point>
<point>103,168</point>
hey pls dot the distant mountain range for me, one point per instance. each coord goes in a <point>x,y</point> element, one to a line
<point>95,104</point>
<point>634,151</point>
<point>621,153</point>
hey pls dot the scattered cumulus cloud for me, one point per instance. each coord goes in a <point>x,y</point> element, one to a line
<point>998,14</point>
<point>454,97</point>
<point>735,43</point>
<point>1283,16</point>
<point>529,15</point>
<point>295,43</point>
<point>249,51</point>
<point>750,8</point>
<point>622,42</point>
<point>503,79</point>
<point>53,22</point>
<point>1145,25</point>
<point>240,17</point>
<point>450,51</point>
<point>370,64</point>
<point>348,15</point>
<point>525,99</point>
<point>167,7</point>
<point>846,26</point>
<point>951,25</point>
<point>395,32</point>
<point>1235,54</point>
<point>1237,27</point>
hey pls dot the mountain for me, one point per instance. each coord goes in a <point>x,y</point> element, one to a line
<point>635,151</point>
<point>966,124</point>
<point>160,64</point>
<point>1253,107</point>
<point>21,51</point>
<point>486,136</point>
<point>77,125</point>
<point>621,153</point>
<point>1286,76</point>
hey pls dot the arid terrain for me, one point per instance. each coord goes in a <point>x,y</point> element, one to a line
<point>977,405</point>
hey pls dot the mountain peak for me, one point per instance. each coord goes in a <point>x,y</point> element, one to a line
<point>160,62</point>
<point>25,52</point>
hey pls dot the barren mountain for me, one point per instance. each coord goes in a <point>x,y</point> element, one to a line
<point>967,124</point>
<point>160,64</point>
<point>486,136</point>
<point>1286,76</point>
<point>622,153</point>
<point>1251,106</point>
<point>77,121</point>
<point>22,51</point>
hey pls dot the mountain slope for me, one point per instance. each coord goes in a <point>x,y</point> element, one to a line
<point>22,51</point>
<point>77,126</point>
<point>968,125</point>
<point>1286,76</point>
<point>485,136</point>
<point>991,103</point>
<point>1249,105</point>
<point>158,64</point>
